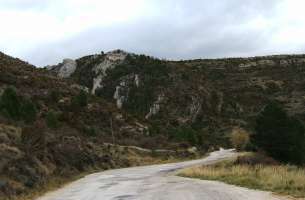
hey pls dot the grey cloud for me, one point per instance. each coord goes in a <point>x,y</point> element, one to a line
<point>182,30</point>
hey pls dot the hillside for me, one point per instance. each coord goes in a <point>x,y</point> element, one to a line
<point>50,127</point>
<point>198,101</point>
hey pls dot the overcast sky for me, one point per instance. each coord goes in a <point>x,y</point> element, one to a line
<point>44,32</point>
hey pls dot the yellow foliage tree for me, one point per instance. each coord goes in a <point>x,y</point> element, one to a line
<point>239,138</point>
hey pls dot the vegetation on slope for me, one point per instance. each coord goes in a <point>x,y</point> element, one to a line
<point>51,127</point>
<point>199,101</point>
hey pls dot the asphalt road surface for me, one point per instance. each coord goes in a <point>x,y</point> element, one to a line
<point>155,182</point>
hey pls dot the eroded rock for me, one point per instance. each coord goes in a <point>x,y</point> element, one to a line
<point>155,108</point>
<point>110,60</point>
<point>67,68</point>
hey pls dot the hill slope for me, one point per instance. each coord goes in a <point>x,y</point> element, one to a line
<point>51,127</point>
<point>194,100</point>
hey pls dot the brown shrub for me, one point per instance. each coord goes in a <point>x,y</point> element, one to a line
<point>255,159</point>
<point>34,139</point>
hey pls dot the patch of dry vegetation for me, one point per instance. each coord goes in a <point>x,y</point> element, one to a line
<point>53,184</point>
<point>282,179</point>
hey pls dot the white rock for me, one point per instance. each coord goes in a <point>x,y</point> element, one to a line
<point>194,108</point>
<point>192,150</point>
<point>266,62</point>
<point>284,62</point>
<point>247,65</point>
<point>80,87</point>
<point>123,83</point>
<point>301,60</point>
<point>137,80</point>
<point>111,59</point>
<point>96,83</point>
<point>118,97</point>
<point>155,108</point>
<point>68,68</point>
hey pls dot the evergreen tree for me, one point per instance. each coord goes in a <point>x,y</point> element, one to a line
<point>10,104</point>
<point>279,135</point>
<point>52,120</point>
<point>28,111</point>
<point>79,101</point>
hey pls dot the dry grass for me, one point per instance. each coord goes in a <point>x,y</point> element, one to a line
<point>286,180</point>
<point>53,184</point>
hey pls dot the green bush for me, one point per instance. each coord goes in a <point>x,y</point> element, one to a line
<point>52,120</point>
<point>28,111</point>
<point>17,108</point>
<point>280,136</point>
<point>79,101</point>
<point>90,131</point>
<point>54,96</point>
<point>186,134</point>
<point>10,104</point>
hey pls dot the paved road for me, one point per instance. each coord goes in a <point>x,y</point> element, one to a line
<point>155,182</point>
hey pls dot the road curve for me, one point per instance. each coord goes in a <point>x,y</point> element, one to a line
<point>155,182</point>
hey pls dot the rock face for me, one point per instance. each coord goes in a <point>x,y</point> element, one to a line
<point>155,108</point>
<point>64,69</point>
<point>120,94</point>
<point>95,66</point>
<point>68,68</point>
<point>122,90</point>
<point>111,59</point>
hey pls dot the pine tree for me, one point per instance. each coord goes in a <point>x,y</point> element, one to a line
<point>28,111</point>
<point>279,135</point>
<point>10,104</point>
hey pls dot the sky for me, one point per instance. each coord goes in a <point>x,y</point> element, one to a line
<point>43,32</point>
